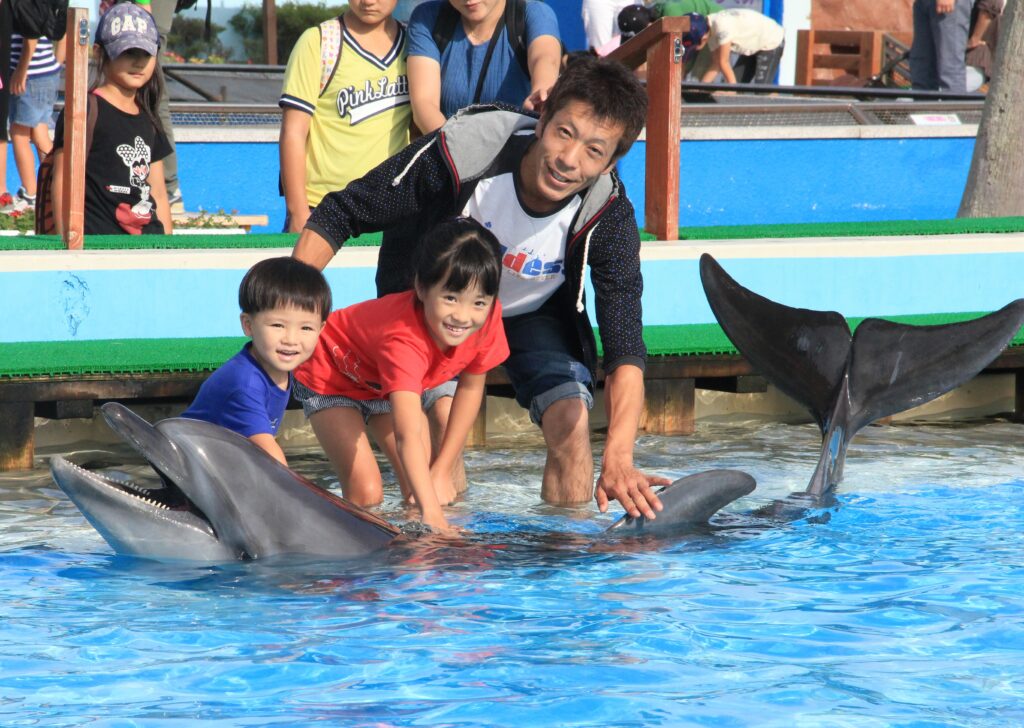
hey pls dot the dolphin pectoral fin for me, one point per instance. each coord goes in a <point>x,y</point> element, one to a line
<point>146,439</point>
<point>800,351</point>
<point>690,501</point>
<point>895,367</point>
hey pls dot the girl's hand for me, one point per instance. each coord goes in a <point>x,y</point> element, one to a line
<point>438,522</point>
<point>444,486</point>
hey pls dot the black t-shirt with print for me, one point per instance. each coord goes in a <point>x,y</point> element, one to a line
<point>117,193</point>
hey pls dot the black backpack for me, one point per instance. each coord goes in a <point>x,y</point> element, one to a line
<point>40,18</point>
<point>514,19</point>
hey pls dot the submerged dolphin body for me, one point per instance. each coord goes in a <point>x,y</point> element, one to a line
<point>848,382</point>
<point>223,498</point>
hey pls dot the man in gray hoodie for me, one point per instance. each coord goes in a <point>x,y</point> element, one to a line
<point>548,190</point>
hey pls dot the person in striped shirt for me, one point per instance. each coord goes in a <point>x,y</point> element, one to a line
<point>35,77</point>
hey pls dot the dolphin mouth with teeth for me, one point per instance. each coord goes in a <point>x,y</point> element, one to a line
<point>219,498</point>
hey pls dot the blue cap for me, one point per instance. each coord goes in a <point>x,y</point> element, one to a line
<point>698,29</point>
<point>126,26</point>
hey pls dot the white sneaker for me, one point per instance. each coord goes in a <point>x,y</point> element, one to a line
<point>19,203</point>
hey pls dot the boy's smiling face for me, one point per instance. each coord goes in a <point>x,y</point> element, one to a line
<point>282,339</point>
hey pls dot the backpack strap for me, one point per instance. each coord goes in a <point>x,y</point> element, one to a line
<point>330,51</point>
<point>514,18</point>
<point>515,21</point>
<point>444,27</point>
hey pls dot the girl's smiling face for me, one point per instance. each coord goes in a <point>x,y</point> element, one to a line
<point>451,316</point>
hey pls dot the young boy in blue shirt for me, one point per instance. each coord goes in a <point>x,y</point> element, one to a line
<point>284,306</point>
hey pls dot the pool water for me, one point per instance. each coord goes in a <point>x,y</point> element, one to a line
<point>902,605</point>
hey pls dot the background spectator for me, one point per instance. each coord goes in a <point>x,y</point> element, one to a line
<point>743,41</point>
<point>480,63</point>
<point>984,36</point>
<point>331,130</point>
<point>600,20</point>
<point>938,52</point>
<point>35,79</point>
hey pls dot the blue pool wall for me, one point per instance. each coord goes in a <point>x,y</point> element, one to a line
<point>722,182</point>
<point>727,182</point>
<point>178,300</point>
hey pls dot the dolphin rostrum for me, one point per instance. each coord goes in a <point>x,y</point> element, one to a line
<point>848,382</point>
<point>222,498</point>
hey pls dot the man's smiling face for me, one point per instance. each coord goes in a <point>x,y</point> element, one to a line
<point>573,149</point>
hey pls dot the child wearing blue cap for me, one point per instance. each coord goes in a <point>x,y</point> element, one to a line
<point>125,191</point>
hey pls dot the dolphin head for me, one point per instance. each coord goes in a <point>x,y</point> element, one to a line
<point>222,498</point>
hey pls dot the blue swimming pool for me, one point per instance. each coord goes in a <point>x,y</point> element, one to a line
<point>902,606</point>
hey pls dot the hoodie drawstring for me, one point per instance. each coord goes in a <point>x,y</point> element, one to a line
<point>398,180</point>
<point>583,270</point>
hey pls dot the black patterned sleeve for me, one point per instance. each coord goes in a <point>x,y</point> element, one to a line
<point>398,189</point>
<point>618,286</point>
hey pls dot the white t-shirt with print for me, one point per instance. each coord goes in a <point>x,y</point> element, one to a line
<point>533,247</point>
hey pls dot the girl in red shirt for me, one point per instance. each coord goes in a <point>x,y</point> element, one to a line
<point>375,360</point>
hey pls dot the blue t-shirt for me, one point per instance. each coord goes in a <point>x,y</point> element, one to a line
<point>462,61</point>
<point>241,397</point>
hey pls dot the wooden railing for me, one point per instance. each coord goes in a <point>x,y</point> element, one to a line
<point>660,46</point>
<point>76,90</point>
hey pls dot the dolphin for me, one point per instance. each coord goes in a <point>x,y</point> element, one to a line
<point>849,381</point>
<point>221,498</point>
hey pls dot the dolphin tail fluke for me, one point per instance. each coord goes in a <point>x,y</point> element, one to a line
<point>848,382</point>
<point>895,367</point>
<point>691,501</point>
<point>800,351</point>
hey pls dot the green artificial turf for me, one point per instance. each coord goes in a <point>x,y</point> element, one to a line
<point>959,226</point>
<point>77,358</point>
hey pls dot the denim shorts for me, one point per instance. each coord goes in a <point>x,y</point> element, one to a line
<point>541,366</point>
<point>313,402</point>
<point>35,106</point>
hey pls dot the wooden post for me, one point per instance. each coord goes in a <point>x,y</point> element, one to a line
<point>669,407</point>
<point>660,46</point>
<point>17,430</point>
<point>478,433</point>
<point>76,76</point>
<point>270,31</point>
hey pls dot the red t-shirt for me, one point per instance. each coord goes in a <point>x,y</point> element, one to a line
<point>371,349</point>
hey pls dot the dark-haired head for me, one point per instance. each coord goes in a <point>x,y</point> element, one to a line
<point>284,283</point>
<point>459,253</point>
<point>611,91</point>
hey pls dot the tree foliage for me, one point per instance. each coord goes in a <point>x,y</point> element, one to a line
<point>292,19</point>
<point>186,39</point>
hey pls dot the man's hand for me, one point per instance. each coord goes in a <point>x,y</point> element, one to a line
<point>942,7</point>
<point>630,487</point>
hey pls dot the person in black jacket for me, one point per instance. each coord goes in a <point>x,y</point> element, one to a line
<point>548,190</point>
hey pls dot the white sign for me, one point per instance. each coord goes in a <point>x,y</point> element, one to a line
<point>934,119</point>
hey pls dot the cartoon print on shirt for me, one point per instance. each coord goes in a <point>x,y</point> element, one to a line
<point>137,160</point>
<point>348,364</point>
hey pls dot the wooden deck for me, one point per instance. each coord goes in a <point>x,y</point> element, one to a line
<point>671,384</point>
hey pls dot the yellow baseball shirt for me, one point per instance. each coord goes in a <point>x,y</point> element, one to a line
<point>361,118</point>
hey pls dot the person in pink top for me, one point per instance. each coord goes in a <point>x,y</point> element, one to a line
<point>375,360</point>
